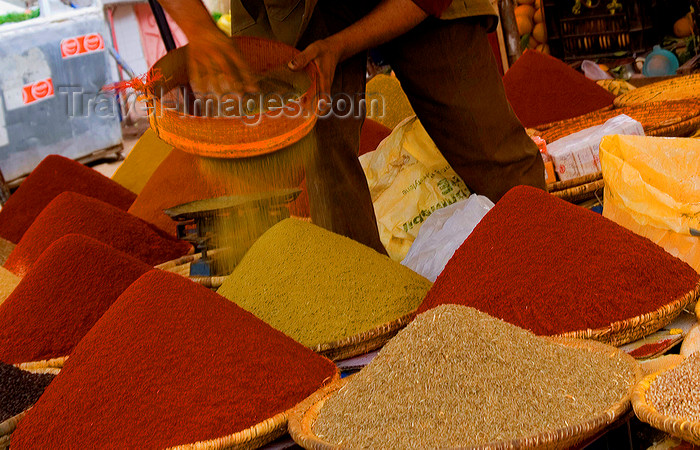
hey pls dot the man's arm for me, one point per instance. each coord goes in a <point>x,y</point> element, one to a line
<point>390,19</point>
<point>215,64</point>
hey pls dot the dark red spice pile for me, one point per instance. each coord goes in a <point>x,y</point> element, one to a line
<point>19,390</point>
<point>171,363</point>
<point>551,267</point>
<point>63,295</point>
<point>54,175</point>
<point>542,89</point>
<point>74,213</point>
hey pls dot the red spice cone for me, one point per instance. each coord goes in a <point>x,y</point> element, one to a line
<point>54,175</point>
<point>542,89</point>
<point>72,213</point>
<point>170,363</point>
<point>74,281</point>
<point>551,267</point>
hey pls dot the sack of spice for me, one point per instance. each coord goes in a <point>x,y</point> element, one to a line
<point>318,287</point>
<point>652,188</point>
<point>409,179</point>
<point>602,273</point>
<point>148,153</point>
<point>456,377</point>
<point>171,363</point>
<point>71,213</point>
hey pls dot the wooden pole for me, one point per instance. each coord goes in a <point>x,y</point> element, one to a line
<point>510,29</point>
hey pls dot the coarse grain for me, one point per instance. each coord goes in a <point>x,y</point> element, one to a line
<point>676,393</point>
<point>457,377</point>
<point>318,287</point>
<point>19,390</point>
<point>551,267</point>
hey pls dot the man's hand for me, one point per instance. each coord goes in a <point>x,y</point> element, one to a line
<point>390,19</point>
<point>326,55</point>
<point>214,63</point>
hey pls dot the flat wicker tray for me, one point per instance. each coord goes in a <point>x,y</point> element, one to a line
<point>302,419</point>
<point>678,118</point>
<point>678,88</point>
<point>683,429</point>
<point>8,427</point>
<point>630,330</point>
<point>579,189</point>
<point>364,342</point>
<point>254,437</point>
<point>181,266</point>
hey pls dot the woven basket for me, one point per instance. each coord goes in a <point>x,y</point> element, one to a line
<point>364,342</point>
<point>302,419</point>
<point>254,437</point>
<point>47,364</point>
<point>678,118</point>
<point>683,429</point>
<point>8,427</point>
<point>579,189</point>
<point>181,266</point>
<point>674,89</point>
<point>630,330</point>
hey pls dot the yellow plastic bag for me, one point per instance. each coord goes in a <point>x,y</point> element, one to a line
<point>652,187</point>
<point>409,179</point>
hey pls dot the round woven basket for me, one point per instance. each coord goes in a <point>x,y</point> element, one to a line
<point>678,118</point>
<point>181,266</point>
<point>678,88</point>
<point>233,136</point>
<point>303,417</point>
<point>683,429</point>
<point>8,427</point>
<point>630,330</point>
<point>364,342</point>
<point>579,189</point>
<point>254,437</point>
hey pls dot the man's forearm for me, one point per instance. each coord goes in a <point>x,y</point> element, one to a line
<point>390,19</point>
<point>191,16</point>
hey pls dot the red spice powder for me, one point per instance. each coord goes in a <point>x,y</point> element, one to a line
<point>74,213</point>
<point>54,175</point>
<point>546,265</point>
<point>373,133</point>
<point>170,363</point>
<point>64,294</point>
<point>543,89</point>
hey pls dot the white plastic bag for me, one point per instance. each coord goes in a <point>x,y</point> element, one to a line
<point>443,233</point>
<point>576,155</point>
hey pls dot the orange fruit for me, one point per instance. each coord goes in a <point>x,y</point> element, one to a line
<point>524,25</point>
<point>543,48</point>
<point>683,27</point>
<point>537,4</point>
<point>539,32</point>
<point>532,43</point>
<point>525,10</point>
<point>539,16</point>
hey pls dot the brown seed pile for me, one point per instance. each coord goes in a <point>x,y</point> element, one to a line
<point>676,393</point>
<point>457,377</point>
<point>19,390</point>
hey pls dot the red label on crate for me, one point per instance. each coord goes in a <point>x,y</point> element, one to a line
<point>35,92</point>
<point>81,45</point>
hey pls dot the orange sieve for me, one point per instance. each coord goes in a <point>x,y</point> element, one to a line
<point>233,136</point>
